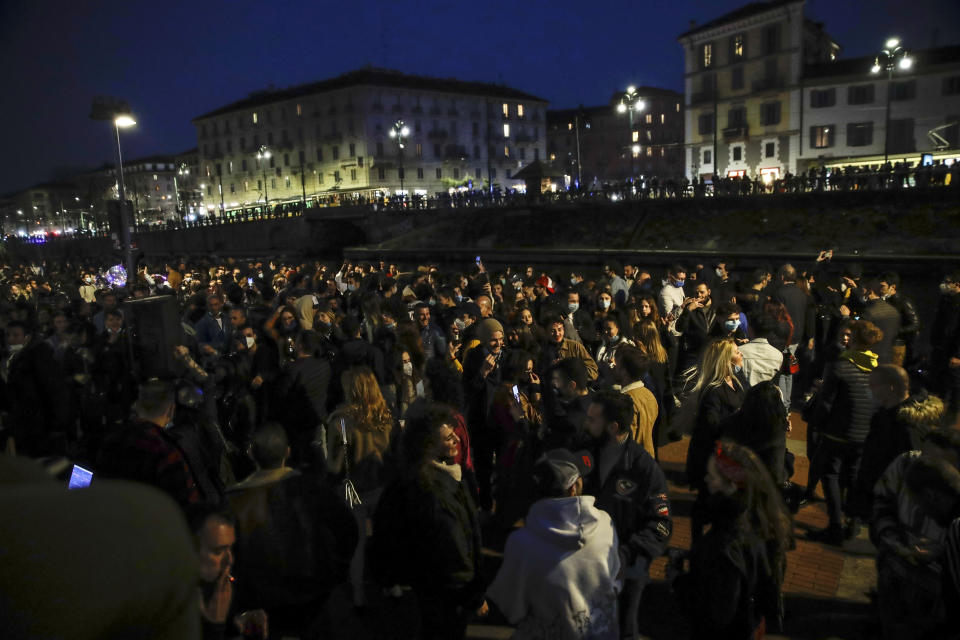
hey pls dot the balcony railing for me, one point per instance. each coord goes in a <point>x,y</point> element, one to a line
<point>731,133</point>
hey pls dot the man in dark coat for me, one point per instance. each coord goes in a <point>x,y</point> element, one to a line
<point>301,404</point>
<point>295,537</point>
<point>32,391</point>
<point>631,487</point>
<point>143,451</point>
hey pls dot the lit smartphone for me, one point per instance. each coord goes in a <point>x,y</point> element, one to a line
<point>249,282</point>
<point>80,478</point>
<point>477,259</point>
<point>516,393</point>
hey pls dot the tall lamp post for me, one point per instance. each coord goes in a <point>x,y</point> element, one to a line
<point>398,132</point>
<point>124,121</point>
<point>182,170</point>
<point>893,56</point>
<point>262,154</point>
<point>629,103</point>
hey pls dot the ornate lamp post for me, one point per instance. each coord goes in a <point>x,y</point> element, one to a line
<point>630,102</point>
<point>399,132</point>
<point>893,56</point>
<point>263,153</point>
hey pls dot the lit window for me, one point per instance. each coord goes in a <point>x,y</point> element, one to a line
<point>738,46</point>
<point>506,110</point>
<point>254,117</point>
<point>154,176</point>
<point>707,55</point>
<point>636,152</point>
<point>663,118</point>
<point>569,126</point>
<point>636,136</point>
<point>506,151</point>
<point>506,131</point>
<point>649,151</point>
<point>299,110</point>
<point>663,151</point>
<point>553,157</point>
<point>649,118</point>
<point>678,107</point>
<point>519,110</point>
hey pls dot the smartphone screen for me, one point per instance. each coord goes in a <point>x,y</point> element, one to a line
<point>250,282</point>
<point>477,259</point>
<point>80,478</point>
<point>516,393</point>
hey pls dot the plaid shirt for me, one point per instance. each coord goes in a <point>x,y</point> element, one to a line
<point>143,452</point>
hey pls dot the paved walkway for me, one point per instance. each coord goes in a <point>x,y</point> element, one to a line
<point>825,587</point>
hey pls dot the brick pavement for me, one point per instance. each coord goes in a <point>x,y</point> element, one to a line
<point>824,587</point>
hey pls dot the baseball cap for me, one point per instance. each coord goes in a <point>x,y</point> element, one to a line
<point>563,467</point>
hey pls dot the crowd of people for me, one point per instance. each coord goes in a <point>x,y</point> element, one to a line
<point>363,424</point>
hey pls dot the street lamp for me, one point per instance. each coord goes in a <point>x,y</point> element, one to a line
<point>629,103</point>
<point>893,56</point>
<point>262,154</point>
<point>182,170</point>
<point>399,131</point>
<point>123,120</point>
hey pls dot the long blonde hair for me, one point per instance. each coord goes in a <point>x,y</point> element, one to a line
<point>364,402</point>
<point>648,339</point>
<point>716,365</point>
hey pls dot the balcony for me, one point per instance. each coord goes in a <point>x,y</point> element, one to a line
<point>734,133</point>
<point>768,84</point>
<point>437,134</point>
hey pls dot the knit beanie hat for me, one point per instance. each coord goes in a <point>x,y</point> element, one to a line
<point>486,329</point>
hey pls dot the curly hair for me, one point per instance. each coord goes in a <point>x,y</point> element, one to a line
<point>364,403</point>
<point>864,334</point>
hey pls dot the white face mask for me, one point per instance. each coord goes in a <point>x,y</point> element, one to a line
<point>843,287</point>
<point>408,368</point>
<point>251,341</point>
<point>605,303</point>
<point>15,347</point>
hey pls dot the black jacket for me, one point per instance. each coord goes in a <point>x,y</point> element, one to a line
<point>800,307</point>
<point>887,318</point>
<point>844,403</point>
<point>715,405</point>
<point>426,534</point>
<point>635,496</point>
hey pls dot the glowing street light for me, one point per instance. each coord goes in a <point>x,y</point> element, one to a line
<point>892,57</point>
<point>629,103</point>
<point>263,153</point>
<point>398,132</point>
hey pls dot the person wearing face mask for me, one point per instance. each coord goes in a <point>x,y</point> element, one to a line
<point>88,290</point>
<point>727,323</point>
<point>577,323</point>
<point>143,450</point>
<point>672,296</point>
<point>619,288</point>
<point>694,326</point>
<point>611,340</point>
<point>719,394</point>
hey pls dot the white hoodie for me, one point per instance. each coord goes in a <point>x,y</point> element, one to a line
<point>559,575</point>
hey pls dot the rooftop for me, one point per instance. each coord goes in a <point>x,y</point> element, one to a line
<point>746,11</point>
<point>370,76</point>
<point>861,66</point>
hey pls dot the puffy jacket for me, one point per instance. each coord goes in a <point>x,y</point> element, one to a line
<point>845,403</point>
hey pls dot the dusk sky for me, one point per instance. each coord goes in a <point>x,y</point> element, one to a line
<point>175,60</point>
